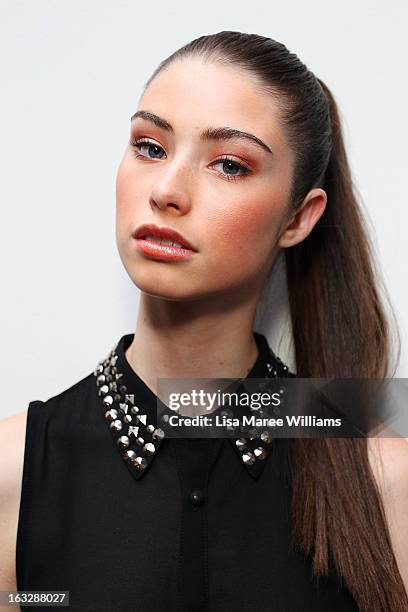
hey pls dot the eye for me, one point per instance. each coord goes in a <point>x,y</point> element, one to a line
<point>152,148</point>
<point>231,168</point>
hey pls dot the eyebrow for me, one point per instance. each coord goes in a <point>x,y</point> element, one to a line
<point>209,134</point>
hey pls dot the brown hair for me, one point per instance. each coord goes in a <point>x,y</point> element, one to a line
<point>340,328</point>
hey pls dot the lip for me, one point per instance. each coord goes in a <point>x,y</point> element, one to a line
<point>162,251</point>
<point>162,232</point>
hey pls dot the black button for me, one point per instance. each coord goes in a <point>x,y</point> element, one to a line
<point>197,497</point>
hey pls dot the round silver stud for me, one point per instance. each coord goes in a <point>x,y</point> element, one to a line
<point>158,434</point>
<point>108,400</point>
<point>138,462</point>
<point>140,441</point>
<point>123,442</point>
<point>104,390</point>
<point>111,415</point>
<point>260,452</point>
<point>116,425</point>
<point>266,437</point>
<point>150,428</point>
<point>241,444</point>
<point>252,433</point>
<point>248,458</point>
<point>149,448</point>
<point>129,455</point>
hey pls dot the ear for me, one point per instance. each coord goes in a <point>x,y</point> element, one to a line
<point>305,218</point>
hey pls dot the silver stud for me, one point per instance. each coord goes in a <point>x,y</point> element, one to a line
<point>134,409</point>
<point>113,386</point>
<point>266,437</point>
<point>116,425</point>
<point>140,441</point>
<point>104,390</point>
<point>260,452</point>
<point>141,418</point>
<point>100,380</point>
<point>133,431</point>
<point>158,434</point>
<point>129,454</point>
<point>123,442</point>
<point>108,400</point>
<point>149,448</point>
<point>129,397</point>
<point>111,415</point>
<point>248,458</point>
<point>127,418</point>
<point>241,444</point>
<point>252,433</point>
<point>150,428</point>
<point>124,407</point>
<point>138,462</point>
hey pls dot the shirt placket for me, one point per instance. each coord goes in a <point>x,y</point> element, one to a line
<point>194,460</point>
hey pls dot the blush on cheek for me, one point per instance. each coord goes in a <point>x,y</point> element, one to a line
<point>246,231</point>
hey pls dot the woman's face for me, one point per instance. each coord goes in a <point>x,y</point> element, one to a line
<point>230,210</point>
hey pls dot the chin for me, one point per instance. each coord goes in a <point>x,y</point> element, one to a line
<point>164,286</point>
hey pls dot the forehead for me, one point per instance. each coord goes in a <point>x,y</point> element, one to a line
<point>193,94</point>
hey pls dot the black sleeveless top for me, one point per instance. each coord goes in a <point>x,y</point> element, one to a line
<point>182,525</point>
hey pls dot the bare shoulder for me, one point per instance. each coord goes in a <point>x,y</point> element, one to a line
<point>389,460</point>
<point>12,443</point>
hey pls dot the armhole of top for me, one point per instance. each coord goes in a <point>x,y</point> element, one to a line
<point>26,483</point>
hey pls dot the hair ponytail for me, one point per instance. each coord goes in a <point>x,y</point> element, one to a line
<point>340,330</point>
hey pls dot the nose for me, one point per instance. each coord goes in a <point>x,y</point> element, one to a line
<point>172,189</point>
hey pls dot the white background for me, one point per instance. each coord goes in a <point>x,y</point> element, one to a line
<point>71,76</point>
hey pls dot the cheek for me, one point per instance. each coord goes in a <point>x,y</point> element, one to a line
<point>247,235</point>
<point>125,186</point>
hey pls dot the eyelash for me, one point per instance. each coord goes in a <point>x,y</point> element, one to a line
<point>224,158</point>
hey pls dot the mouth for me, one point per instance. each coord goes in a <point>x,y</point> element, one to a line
<point>162,243</point>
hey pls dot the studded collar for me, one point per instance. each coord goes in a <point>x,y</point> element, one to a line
<point>129,408</point>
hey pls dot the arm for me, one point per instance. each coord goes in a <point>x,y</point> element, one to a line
<point>12,442</point>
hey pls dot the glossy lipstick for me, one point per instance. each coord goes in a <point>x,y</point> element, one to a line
<point>148,242</point>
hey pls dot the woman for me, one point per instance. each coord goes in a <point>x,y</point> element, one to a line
<point>236,155</point>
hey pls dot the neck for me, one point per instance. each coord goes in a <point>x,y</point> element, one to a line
<point>192,340</point>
